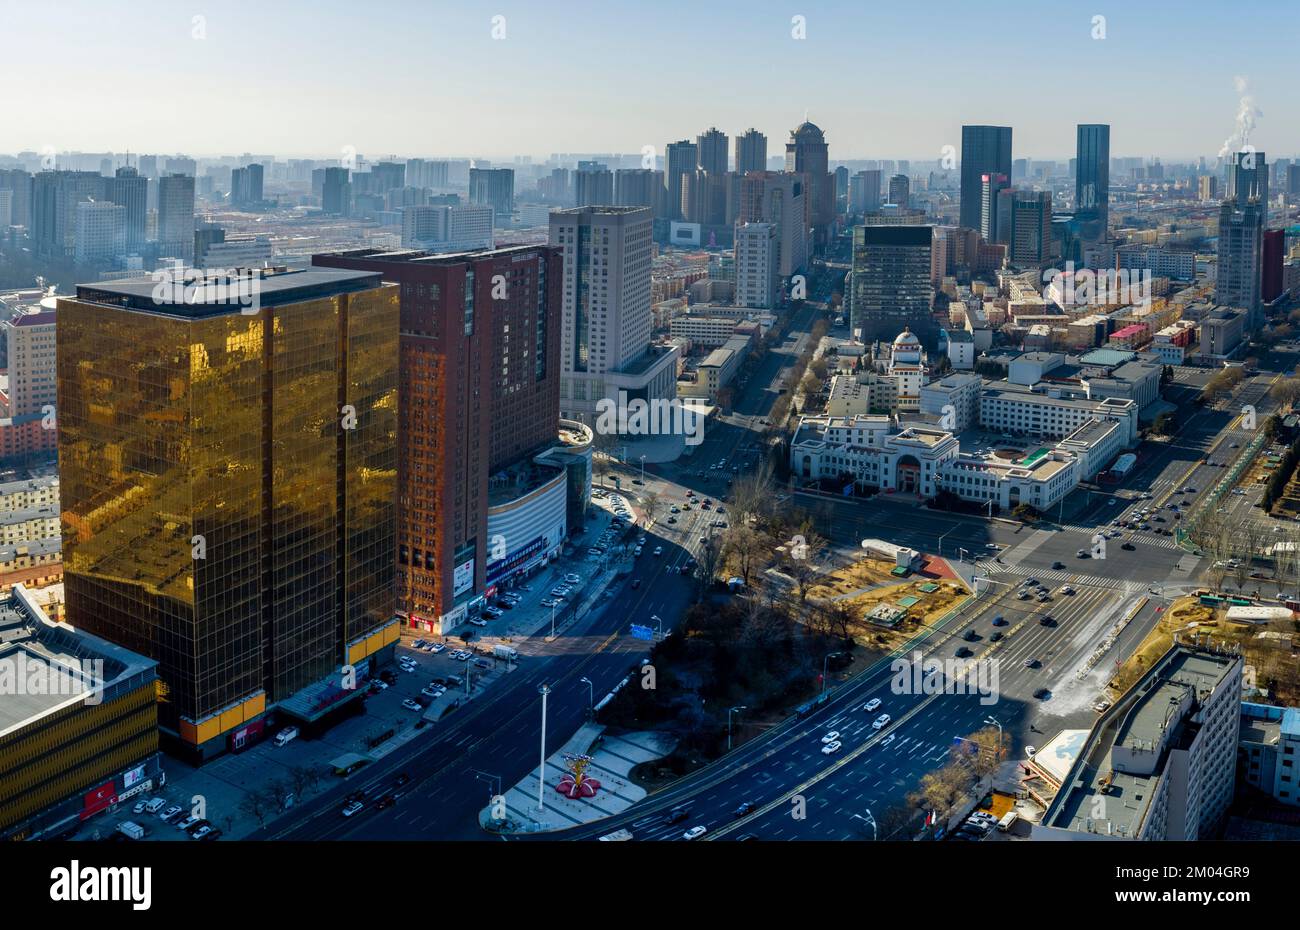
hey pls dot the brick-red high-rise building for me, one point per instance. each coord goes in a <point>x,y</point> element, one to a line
<point>479,389</point>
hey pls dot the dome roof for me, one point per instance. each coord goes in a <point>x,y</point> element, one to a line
<point>907,338</point>
<point>807,131</point>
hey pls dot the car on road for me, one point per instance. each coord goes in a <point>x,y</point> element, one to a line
<point>1101,706</point>
<point>871,705</point>
<point>1066,589</point>
<point>352,808</point>
<point>999,620</point>
<point>1029,752</point>
<point>831,747</point>
<point>411,705</point>
<point>993,546</point>
<point>573,579</point>
<point>187,823</point>
<point>995,636</point>
<point>201,832</point>
<point>1083,554</point>
<point>479,621</point>
<point>880,722</point>
<point>1127,547</point>
<point>435,648</point>
<point>1031,662</point>
<point>694,833</point>
<point>1047,620</point>
<point>963,652</point>
<point>887,740</point>
<point>430,691</point>
<point>677,815</point>
<point>169,814</point>
<point>1023,595</point>
<point>550,602</point>
<point>831,737</point>
<point>970,636</point>
<point>1042,694</point>
<point>746,807</point>
<point>1058,565</point>
<point>659,550</point>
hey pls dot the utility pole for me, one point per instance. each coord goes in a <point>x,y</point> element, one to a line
<point>544,690</point>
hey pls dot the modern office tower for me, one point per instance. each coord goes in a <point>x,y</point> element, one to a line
<point>176,216</point>
<point>991,185</point>
<point>1020,169</point>
<point>228,482</point>
<point>447,228</point>
<point>101,231</point>
<point>704,198</point>
<point>336,192</point>
<point>19,183</point>
<point>807,153</point>
<point>778,198</point>
<point>593,187</point>
<point>1162,762</point>
<point>841,175</point>
<point>899,191</point>
<point>757,251</point>
<point>1248,180</point>
<point>55,195</point>
<point>479,392</point>
<point>493,187</point>
<point>128,190</point>
<point>891,281</point>
<point>246,186</point>
<point>680,160</point>
<point>1092,181</point>
<point>984,150</point>
<point>864,191</point>
<point>180,165</point>
<point>751,151</point>
<point>1207,187</point>
<point>638,187</point>
<point>1272,254</point>
<point>713,149</point>
<point>1024,224</point>
<point>607,319</point>
<point>1238,276</point>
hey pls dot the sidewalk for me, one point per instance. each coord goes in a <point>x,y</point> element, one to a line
<point>612,759</point>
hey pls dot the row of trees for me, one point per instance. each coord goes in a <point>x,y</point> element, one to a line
<point>1281,477</point>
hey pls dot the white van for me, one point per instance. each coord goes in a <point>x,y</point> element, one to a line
<point>155,805</point>
<point>1007,820</point>
<point>285,735</point>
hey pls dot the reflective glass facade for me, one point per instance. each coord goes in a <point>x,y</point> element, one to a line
<point>222,512</point>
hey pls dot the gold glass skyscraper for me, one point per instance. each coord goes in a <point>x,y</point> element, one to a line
<point>228,480</point>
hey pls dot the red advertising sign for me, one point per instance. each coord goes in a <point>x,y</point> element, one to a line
<point>98,799</point>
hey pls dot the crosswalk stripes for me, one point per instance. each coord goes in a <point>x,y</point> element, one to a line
<point>1149,539</point>
<point>1064,577</point>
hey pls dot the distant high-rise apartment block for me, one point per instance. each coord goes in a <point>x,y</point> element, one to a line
<point>176,216</point>
<point>1272,255</point>
<point>130,191</point>
<point>757,253</point>
<point>336,192</point>
<point>101,231</point>
<point>681,159</point>
<point>495,188</point>
<point>607,319</point>
<point>778,198</point>
<point>639,187</point>
<point>236,526</point>
<point>984,150</point>
<point>713,151</point>
<point>246,186</point>
<point>1207,188</point>
<point>1238,275</point>
<point>1092,181</point>
<point>864,191</point>
<point>423,173</point>
<point>900,191</point>
<point>751,151</point>
<point>891,281</point>
<point>1025,226</point>
<point>991,185</point>
<point>19,184</point>
<point>593,187</point>
<point>55,196</point>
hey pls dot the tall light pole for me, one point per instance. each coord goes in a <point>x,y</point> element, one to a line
<point>993,720</point>
<point>544,690</point>
<point>941,538</point>
<point>875,831</point>
<point>643,470</point>
<point>591,693</point>
<point>730,711</point>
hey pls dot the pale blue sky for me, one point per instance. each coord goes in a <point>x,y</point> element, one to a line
<point>894,79</point>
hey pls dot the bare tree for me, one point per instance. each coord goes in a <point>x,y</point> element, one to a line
<point>650,505</point>
<point>745,547</point>
<point>255,806</point>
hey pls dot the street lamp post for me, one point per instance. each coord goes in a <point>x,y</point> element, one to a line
<point>591,694</point>
<point>643,470</point>
<point>544,690</point>
<point>730,711</point>
<point>941,538</point>
<point>993,720</point>
<point>552,621</point>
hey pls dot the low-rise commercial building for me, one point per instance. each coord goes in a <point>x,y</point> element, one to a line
<point>1051,412</point>
<point>1268,757</point>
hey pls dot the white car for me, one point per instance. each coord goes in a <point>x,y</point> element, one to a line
<point>659,550</point>
<point>573,579</point>
<point>871,705</point>
<point>352,808</point>
<point>430,691</point>
<point>694,833</point>
<point>831,747</point>
<point>437,648</point>
<point>880,722</point>
<point>412,705</point>
<point>478,621</point>
<point>887,740</point>
<point>831,737</point>
<point>1029,751</point>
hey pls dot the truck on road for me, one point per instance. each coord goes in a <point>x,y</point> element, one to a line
<point>509,653</point>
<point>131,830</point>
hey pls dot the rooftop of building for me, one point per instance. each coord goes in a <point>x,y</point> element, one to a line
<point>1150,718</point>
<point>222,294</point>
<point>1265,723</point>
<point>29,484</point>
<point>1108,358</point>
<point>519,480</point>
<point>55,653</point>
<point>1039,465</point>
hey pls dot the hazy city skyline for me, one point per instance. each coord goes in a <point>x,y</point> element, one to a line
<point>308,80</point>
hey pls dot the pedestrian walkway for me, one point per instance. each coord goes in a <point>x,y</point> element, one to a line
<point>1147,538</point>
<point>1060,577</point>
